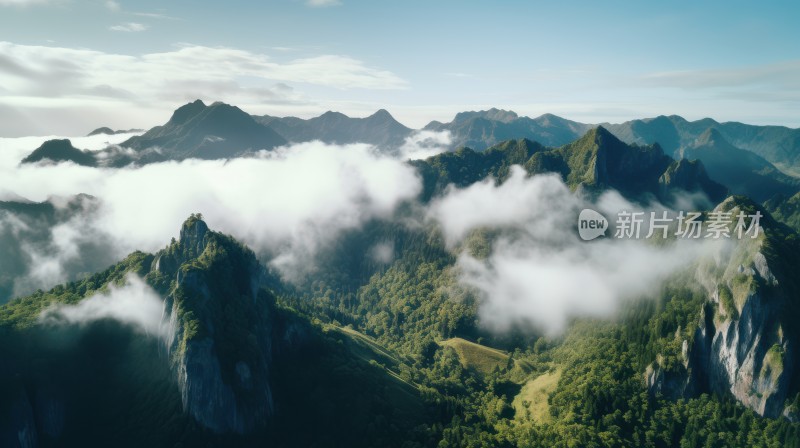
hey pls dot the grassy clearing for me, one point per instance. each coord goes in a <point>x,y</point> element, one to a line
<point>479,358</point>
<point>532,401</point>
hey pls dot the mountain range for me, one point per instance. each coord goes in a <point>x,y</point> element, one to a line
<point>595,162</point>
<point>196,130</point>
<point>206,343</point>
<point>482,129</point>
<point>746,172</point>
<point>379,129</point>
<point>224,366</point>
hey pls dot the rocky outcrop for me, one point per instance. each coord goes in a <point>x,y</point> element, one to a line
<point>741,346</point>
<point>219,327</point>
<point>672,383</point>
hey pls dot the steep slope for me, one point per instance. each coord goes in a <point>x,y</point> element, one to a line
<point>599,160</point>
<point>60,151</point>
<point>786,210</point>
<point>466,166</point>
<point>595,162</point>
<point>198,131</point>
<point>745,172</point>
<point>483,129</point>
<point>379,129</point>
<point>777,144</point>
<point>224,366</point>
<point>745,340</point>
<point>220,322</point>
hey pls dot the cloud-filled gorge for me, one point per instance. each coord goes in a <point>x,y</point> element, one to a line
<point>539,272</point>
<point>289,203</point>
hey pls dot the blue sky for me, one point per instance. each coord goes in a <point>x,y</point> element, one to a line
<point>67,66</point>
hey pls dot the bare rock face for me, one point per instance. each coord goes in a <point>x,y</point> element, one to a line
<point>740,346</point>
<point>19,430</point>
<point>31,414</point>
<point>220,329</point>
<point>748,358</point>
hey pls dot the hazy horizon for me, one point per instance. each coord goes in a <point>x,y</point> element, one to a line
<point>69,67</point>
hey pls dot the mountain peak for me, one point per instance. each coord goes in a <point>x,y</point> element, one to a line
<point>382,114</point>
<point>549,118</point>
<point>493,114</point>
<point>101,130</point>
<point>218,131</point>
<point>187,111</point>
<point>193,234</point>
<point>194,226</point>
<point>333,115</point>
<point>711,137</point>
<point>600,134</point>
<point>501,115</point>
<point>60,150</point>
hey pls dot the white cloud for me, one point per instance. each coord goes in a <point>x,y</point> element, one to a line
<point>536,202</point>
<point>74,245</point>
<point>129,27</point>
<point>22,2</point>
<point>287,203</point>
<point>382,252</point>
<point>424,144</point>
<point>25,68</point>
<point>50,88</point>
<point>112,5</point>
<point>134,303</point>
<point>539,272</point>
<point>323,3</point>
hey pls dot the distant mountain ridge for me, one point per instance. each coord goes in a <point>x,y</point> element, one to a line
<point>482,129</point>
<point>777,144</point>
<point>206,132</point>
<point>596,161</point>
<point>379,129</point>
<point>108,131</point>
<point>220,131</point>
<point>60,151</point>
<point>744,172</point>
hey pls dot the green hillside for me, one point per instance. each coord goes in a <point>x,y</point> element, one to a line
<point>479,358</point>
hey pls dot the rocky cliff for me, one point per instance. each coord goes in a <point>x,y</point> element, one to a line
<point>219,327</point>
<point>744,341</point>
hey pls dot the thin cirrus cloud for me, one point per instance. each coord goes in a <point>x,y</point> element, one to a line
<point>323,3</point>
<point>130,27</point>
<point>51,82</point>
<point>29,69</point>
<point>783,76</point>
<point>22,2</point>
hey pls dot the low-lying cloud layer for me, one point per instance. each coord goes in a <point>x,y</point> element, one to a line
<point>539,272</point>
<point>424,144</point>
<point>292,203</point>
<point>286,202</point>
<point>134,303</point>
